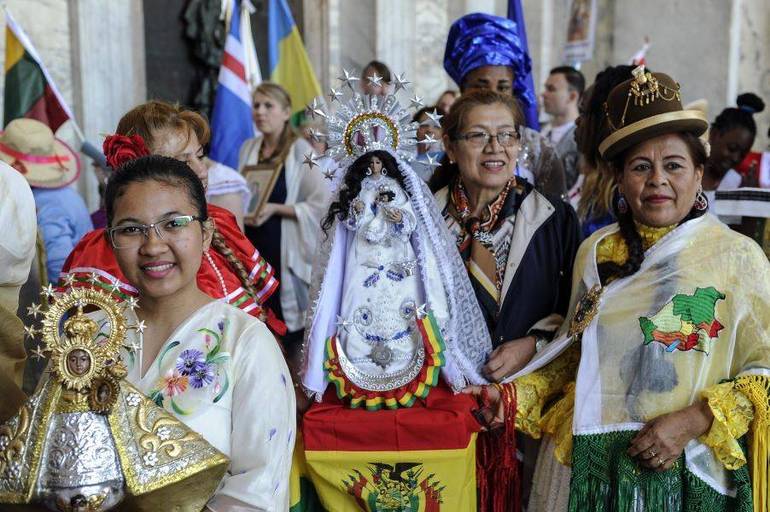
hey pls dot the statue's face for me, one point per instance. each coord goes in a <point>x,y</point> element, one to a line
<point>376,167</point>
<point>78,362</point>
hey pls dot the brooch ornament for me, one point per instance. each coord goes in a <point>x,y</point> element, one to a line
<point>586,310</point>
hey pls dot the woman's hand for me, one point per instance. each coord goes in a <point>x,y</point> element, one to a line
<point>393,215</point>
<point>489,415</point>
<point>358,206</point>
<point>509,358</point>
<point>661,441</point>
<point>267,211</point>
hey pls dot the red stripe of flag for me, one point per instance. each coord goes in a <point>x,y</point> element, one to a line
<point>234,65</point>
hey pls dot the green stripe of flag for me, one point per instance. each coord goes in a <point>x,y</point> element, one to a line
<point>24,86</point>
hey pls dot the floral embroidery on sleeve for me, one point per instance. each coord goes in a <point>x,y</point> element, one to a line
<point>196,375</point>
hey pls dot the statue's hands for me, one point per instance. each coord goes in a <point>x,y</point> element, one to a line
<point>393,215</point>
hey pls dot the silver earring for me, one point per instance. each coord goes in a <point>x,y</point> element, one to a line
<point>622,205</point>
<point>368,171</point>
<point>384,172</point>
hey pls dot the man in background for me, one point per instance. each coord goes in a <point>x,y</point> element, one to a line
<point>563,89</point>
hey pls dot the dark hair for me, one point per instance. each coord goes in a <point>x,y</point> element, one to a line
<point>381,68</point>
<point>575,79</point>
<point>594,121</point>
<point>166,170</point>
<point>453,122</point>
<point>424,110</point>
<point>741,116</point>
<point>351,185</point>
<point>387,193</point>
<point>626,223</point>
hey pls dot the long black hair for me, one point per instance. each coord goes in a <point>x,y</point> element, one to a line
<point>351,185</point>
<point>155,168</point>
<point>610,269</point>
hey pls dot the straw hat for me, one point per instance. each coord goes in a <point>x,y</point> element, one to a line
<point>31,148</point>
<point>644,107</point>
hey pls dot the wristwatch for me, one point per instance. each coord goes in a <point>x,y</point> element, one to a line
<point>542,338</point>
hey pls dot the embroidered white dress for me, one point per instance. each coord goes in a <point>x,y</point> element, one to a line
<point>381,292</point>
<point>222,373</point>
<point>381,288</point>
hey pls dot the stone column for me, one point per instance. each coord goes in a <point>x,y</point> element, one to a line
<point>316,38</point>
<point>753,67</point>
<point>427,75</point>
<point>108,69</point>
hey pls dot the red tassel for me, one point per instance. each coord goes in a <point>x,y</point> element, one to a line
<point>497,469</point>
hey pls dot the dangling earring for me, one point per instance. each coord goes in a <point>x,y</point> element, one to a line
<point>384,172</point>
<point>368,171</point>
<point>701,201</point>
<point>622,205</point>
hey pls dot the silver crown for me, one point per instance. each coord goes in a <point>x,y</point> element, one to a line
<point>364,123</point>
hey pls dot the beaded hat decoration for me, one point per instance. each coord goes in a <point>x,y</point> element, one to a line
<point>646,106</point>
<point>363,123</point>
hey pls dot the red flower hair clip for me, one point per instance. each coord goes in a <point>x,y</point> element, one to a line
<point>120,149</point>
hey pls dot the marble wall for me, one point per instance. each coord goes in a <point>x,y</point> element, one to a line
<point>715,48</point>
<point>94,49</point>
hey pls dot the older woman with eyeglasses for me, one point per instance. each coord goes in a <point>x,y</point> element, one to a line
<point>518,244</point>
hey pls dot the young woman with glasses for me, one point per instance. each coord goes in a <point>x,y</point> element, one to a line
<point>212,365</point>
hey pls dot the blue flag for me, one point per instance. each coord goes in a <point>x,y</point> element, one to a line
<point>231,123</point>
<point>516,14</point>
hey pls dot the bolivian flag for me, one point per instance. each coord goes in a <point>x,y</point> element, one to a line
<point>417,459</point>
<point>29,90</point>
<point>287,59</point>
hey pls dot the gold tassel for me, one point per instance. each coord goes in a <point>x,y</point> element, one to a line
<point>757,389</point>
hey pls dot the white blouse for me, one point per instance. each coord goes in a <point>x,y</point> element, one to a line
<point>222,373</point>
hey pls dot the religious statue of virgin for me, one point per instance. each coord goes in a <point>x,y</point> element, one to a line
<point>393,311</point>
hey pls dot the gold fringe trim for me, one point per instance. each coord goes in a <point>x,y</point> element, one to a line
<point>557,422</point>
<point>757,389</point>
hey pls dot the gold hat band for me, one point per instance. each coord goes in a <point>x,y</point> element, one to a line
<point>679,115</point>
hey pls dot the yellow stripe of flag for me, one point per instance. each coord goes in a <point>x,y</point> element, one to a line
<point>14,51</point>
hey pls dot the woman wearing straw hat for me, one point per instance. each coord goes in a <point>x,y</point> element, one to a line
<point>48,165</point>
<point>669,333</point>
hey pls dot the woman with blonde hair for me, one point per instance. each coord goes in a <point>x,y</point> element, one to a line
<point>233,270</point>
<point>286,223</point>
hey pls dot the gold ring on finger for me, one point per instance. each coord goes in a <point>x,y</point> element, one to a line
<point>661,462</point>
